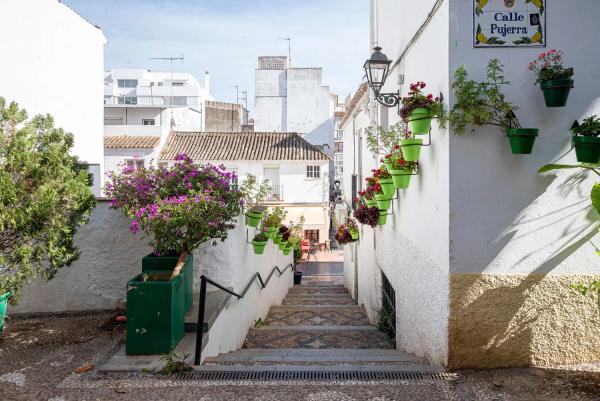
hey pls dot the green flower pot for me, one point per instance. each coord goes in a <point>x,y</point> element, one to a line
<point>521,139</point>
<point>419,121</point>
<point>287,250</point>
<point>259,247</point>
<point>152,262</point>
<point>556,92</point>
<point>282,244</point>
<point>401,178</point>
<point>354,234</point>
<point>270,232</point>
<point>388,164</point>
<point>382,218</point>
<point>387,186</point>
<point>253,218</point>
<point>411,148</point>
<point>384,202</point>
<point>3,305</point>
<point>371,202</point>
<point>155,310</point>
<point>278,237</point>
<point>587,149</point>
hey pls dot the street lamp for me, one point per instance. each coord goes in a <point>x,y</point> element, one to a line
<point>376,69</point>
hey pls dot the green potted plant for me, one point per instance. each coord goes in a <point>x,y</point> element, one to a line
<point>586,140</point>
<point>554,79</point>
<point>271,222</point>
<point>259,242</point>
<point>382,217</point>
<point>384,202</point>
<point>284,236</point>
<point>369,193</point>
<point>253,195</point>
<point>401,169</point>
<point>177,208</point>
<point>352,228</point>
<point>483,103</point>
<point>417,109</point>
<point>343,235</point>
<point>385,181</point>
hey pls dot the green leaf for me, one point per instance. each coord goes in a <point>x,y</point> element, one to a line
<point>550,167</point>
<point>595,196</point>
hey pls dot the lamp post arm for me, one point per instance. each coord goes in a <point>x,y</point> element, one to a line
<point>388,99</point>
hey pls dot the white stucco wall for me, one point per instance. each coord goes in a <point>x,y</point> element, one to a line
<point>50,53</point>
<point>505,217</point>
<point>111,255</point>
<point>114,159</point>
<point>270,105</point>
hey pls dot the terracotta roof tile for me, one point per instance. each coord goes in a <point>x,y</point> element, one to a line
<point>362,89</point>
<point>217,146</point>
<point>131,142</point>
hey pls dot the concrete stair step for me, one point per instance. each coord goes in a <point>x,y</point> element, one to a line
<point>319,367</point>
<point>318,290</point>
<point>317,337</point>
<point>317,315</point>
<point>305,301</point>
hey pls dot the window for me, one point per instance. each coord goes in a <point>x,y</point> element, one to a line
<point>137,163</point>
<point>113,120</point>
<point>177,100</point>
<point>127,83</point>
<point>338,147</point>
<point>311,235</point>
<point>313,171</point>
<point>127,100</point>
<point>160,84</point>
<point>148,121</point>
<point>177,84</point>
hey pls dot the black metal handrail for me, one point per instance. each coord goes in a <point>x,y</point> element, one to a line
<point>202,301</point>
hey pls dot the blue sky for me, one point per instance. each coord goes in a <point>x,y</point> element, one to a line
<point>225,37</point>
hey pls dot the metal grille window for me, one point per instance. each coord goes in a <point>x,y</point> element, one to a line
<point>127,83</point>
<point>148,121</point>
<point>388,304</point>
<point>137,163</point>
<point>311,235</point>
<point>127,100</point>
<point>313,171</point>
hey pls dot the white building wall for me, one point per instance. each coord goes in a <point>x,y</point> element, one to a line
<point>111,255</point>
<point>49,54</point>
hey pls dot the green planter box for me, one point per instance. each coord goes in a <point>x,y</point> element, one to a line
<point>556,92</point>
<point>587,149</point>
<point>3,305</point>
<point>155,310</point>
<point>153,262</point>
<point>521,140</point>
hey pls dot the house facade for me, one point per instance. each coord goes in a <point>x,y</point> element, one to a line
<point>481,250</point>
<point>55,53</point>
<point>297,171</point>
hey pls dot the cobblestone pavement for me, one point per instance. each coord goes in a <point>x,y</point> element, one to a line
<point>39,354</point>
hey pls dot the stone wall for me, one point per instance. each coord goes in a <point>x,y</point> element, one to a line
<point>222,117</point>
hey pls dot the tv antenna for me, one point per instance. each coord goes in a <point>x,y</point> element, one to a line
<point>289,40</point>
<point>245,98</point>
<point>237,93</point>
<point>170,59</point>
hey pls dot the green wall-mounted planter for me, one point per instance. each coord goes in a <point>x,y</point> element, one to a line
<point>387,186</point>
<point>3,305</point>
<point>383,214</point>
<point>152,262</point>
<point>371,202</point>
<point>278,237</point>
<point>270,232</point>
<point>253,218</point>
<point>155,310</point>
<point>587,149</point>
<point>521,139</point>
<point>287,250</point>
<point>259,247</point>
<point>401,178</point>
<point>384,202</point>
<point>282,244</point>
<point>411,149</point>
<point>354,234</point>
<point>419,121</point>
<point>556,92</point>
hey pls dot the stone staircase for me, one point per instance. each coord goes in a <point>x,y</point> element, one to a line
<point>317,328</point>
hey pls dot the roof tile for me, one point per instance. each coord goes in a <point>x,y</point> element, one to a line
<point>131,142</point>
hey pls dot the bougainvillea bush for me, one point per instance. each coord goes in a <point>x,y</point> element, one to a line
<point>177,207</point>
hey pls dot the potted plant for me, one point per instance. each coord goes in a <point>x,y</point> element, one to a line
<point>259,242</point>
<point>253,195</point>
<point>369,193</point>
<point>343,236</point>
<point>365,214</point>
<point>272,220</point>
<point>382,217</point>
<point>401,169</point>
<point>284,236</point>
<point>418,109</point>
<point>384,179</point>
<point>483,103</point>
<point>177,208</point>
<point>383,200</point>
<point>353,228</point>
<point>586,140</point>
<point>554,79</point>
<point>297,276</point>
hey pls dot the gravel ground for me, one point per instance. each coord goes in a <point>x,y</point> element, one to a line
<point>39,355</point>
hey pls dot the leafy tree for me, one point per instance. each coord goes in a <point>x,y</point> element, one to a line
<point>45,196</point>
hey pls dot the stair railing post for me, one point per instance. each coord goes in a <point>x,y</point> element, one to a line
<point>200,324</point>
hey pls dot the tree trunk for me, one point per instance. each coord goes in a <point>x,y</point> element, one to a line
<point>180,264</point>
